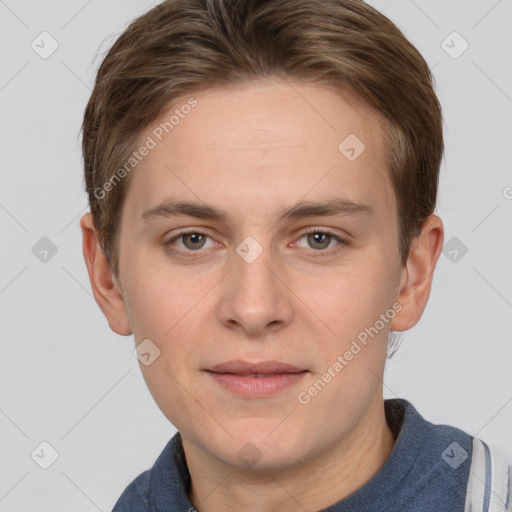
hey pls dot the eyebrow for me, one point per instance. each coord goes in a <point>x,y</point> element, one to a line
<point>303,209</point>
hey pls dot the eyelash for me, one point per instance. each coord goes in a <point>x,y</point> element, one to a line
<point>342,243</point>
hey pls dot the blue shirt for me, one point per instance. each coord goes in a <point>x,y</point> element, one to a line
<point>427,471</point>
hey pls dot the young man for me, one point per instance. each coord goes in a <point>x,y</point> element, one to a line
<point>262,178</point>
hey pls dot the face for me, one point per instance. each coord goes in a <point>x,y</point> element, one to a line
<point>260,229</point>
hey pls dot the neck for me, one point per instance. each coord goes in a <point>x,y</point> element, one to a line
<point>311,484</point>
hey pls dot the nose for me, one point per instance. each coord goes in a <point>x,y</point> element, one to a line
<point>255,298</point>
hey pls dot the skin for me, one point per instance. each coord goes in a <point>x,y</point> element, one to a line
<point>255,150</point>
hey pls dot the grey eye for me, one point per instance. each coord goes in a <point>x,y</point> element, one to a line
<point>193,240</point>
<point>319,240</point>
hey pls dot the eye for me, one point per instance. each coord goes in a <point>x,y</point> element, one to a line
<point>190,241</point>
<point>321,239</point>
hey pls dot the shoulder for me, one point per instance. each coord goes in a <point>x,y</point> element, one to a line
<point>490,480</point>
<point>441,443</point>
<point>143,493</point>
<point>442,471</point>
<point>432,461</point>
<point>451,468</point>
<point>136,496</point>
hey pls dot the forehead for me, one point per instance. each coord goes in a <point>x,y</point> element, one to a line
<point>263,141</point>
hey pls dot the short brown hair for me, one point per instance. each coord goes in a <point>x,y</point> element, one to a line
<point>181,46</point>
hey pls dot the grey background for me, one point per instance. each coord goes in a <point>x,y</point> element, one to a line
<point>66,379</point>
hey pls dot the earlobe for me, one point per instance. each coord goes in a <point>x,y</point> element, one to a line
<point>105,286</point>
<point>417,274</point>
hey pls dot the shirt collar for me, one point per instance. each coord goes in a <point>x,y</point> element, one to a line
<point>172,482</point>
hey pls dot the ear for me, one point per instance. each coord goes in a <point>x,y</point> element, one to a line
<point>417,274</point>
<point>105,286</point>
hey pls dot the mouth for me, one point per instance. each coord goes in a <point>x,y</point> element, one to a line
<point>256,380</point>
<point>240,367</point>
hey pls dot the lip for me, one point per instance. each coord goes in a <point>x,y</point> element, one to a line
<point>256,380</point>
<point>241,367</point>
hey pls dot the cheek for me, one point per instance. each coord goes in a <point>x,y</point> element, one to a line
<point>170,394</point>
<point>158,300</point>
<point>166,313</point>
<point>351,299</point>
<point>169,310</point>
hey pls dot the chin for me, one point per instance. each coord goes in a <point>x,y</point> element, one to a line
<point>265,449</point>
